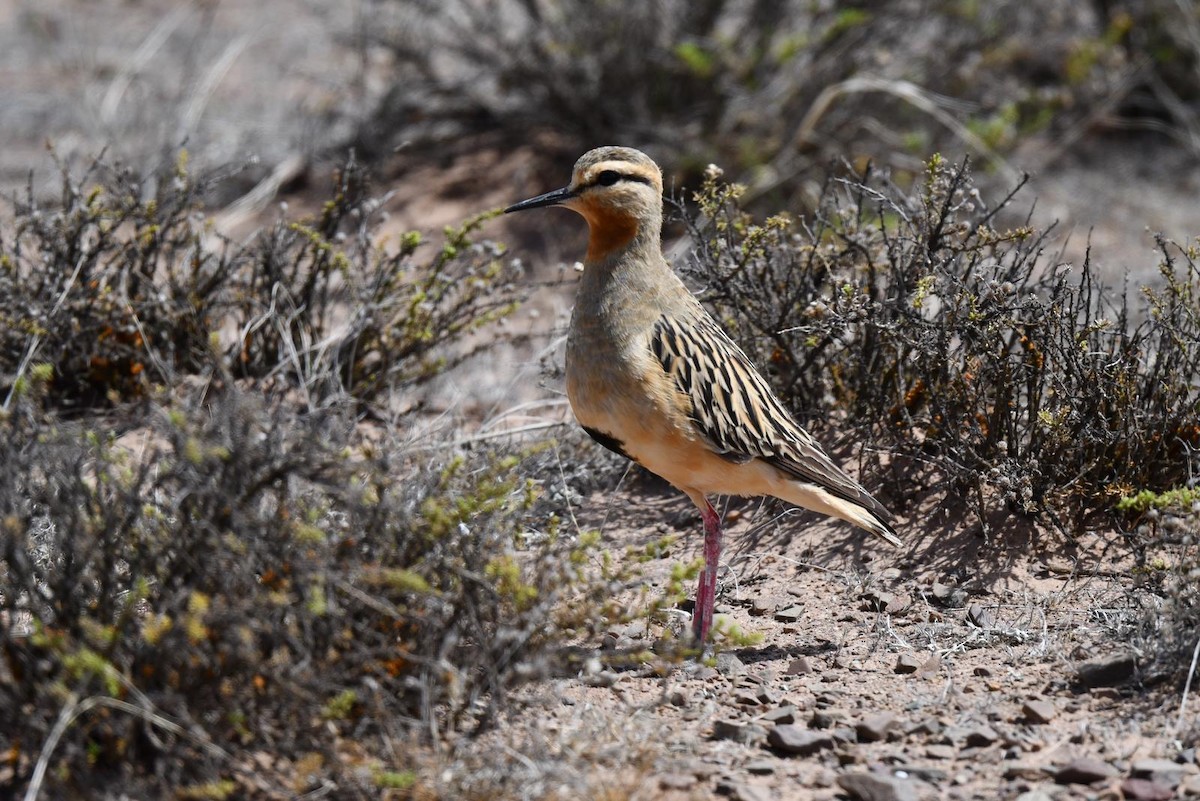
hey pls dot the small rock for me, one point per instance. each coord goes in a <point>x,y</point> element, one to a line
<point>890,574</point>
<point>844,734</point>
<point>982,671</point>
<point>1039,711</point>
<point>978,616</point>
<point>1084,770</point>
<point>762,606</point>
<point>1034,795</point>
<point>826,718</point>
<point>1025,771</point>
<point>1108,671</point>
<point>744,733</point>
<point>907,663</point>
<point>876,727</point>
<point>746,698</point>
<point>923,772</point>
<point>1163,771</point>
<point>740,791</point>
<point>784,714</point>
<point>875,787</point>
<point>799,666</point>
<point>971,735</point>
<point>789,738</point>
<point>941,752</point>
<point>760,767</point>
<point>850,754</point>
<point>875,600</point>
<point>949,595</point>
<point>927,726</point>
<point>790,615</point>
<point>1146,790</point>
<point>678,698</point>
<point>729,665</point>
<point>676,781</point>
<point>766,695</point>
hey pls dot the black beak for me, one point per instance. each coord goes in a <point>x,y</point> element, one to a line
<point>548,199</point>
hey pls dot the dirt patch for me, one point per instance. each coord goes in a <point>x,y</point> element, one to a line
<point>957,667</point>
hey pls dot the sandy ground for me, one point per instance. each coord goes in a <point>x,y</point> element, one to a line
<point>954,668</point>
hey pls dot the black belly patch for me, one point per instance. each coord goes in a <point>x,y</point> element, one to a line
<point>612,443</point>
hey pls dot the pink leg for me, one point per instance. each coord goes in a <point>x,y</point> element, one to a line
<point>706,594</point>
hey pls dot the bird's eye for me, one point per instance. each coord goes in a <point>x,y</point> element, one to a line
<point>608,177</point>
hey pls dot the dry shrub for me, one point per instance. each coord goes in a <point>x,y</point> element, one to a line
<point>979,368</point>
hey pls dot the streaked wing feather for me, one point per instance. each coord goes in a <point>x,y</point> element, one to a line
<point>737,413</point>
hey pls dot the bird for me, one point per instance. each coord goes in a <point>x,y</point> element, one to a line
<point>652,376</point>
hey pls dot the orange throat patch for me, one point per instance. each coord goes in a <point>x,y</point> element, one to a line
<point>608,230</point>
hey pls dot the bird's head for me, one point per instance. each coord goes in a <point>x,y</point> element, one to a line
<point>618,190</point>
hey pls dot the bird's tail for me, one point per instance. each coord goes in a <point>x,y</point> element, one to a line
<point>867,513</point>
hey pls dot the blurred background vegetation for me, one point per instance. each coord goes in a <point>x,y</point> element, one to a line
<point>267,514</point>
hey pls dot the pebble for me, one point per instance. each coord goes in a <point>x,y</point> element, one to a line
<point>875,787</point>
<point>907,663</point>
<point>1035,794</point>
<point>876,727</point>
<point>729,665</point>
<point>826,718</point>
<point>1163,771</point>
<point>766,695</point>
<point>789,738</point>
<point>875,600</point>
<point>1084,770</point>
<point>979,616</point>
<point>783,714</point>
<point>760,767</point>
<point>949,595</point>
<point>799,667</point>
<point>941,752</point>
<point>1025,771</point>
<point>844,734</point>
<point>972,735</point>
<point>762,606</point>
<point>744,733</point>
<point>740,791</point>
<point>934,775</point>
<point>790,614</point>
<point>1135,789</point>
<point>1108,671</point>
<point>1039,711</point>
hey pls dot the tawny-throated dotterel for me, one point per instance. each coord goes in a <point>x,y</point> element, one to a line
<point>653,377</point>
